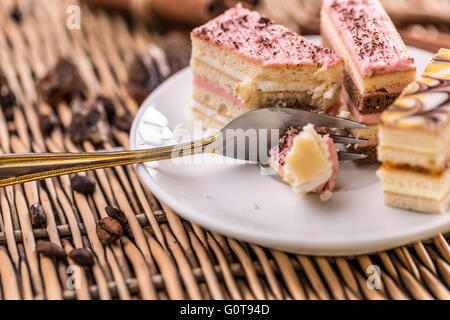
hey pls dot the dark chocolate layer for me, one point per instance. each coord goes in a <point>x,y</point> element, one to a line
<point>373,102</point>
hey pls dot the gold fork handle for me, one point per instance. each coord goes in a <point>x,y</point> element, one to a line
<point>19,168</point>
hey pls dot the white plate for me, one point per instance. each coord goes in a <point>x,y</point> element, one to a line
<point>221,196</point>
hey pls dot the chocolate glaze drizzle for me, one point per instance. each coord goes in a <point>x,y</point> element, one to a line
<point>436,109</point>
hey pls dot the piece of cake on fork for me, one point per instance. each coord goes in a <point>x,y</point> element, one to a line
<point>243,61</point>
<point>377,64</point>
<point>415,142</point>
<point>307,160</point>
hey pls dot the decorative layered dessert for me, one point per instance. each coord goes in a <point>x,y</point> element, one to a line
<point>242,61</point>
<point>377,64</point>
<point>307,161</point>
<point>415,142</point>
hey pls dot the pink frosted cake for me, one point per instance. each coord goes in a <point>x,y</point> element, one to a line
<point>307,161</point>
<point>377,64</point>
<point>242,61</point>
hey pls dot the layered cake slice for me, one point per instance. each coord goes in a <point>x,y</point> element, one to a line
<point>377,64</point>
<point>415,142</point>
<point>242,61</point>
<point>307,161</point>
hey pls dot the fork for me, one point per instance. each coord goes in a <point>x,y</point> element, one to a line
<point>19,168</point>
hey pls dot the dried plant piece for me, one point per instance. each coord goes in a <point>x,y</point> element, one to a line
<point>143,76</point>
<point>89,122</point>
<point>48,123</point>
<point>177,47</point>
<point>7,98</point>
<point>61,82</point>
<point>82,257</point>
<point>37,216</point>
<point>109,230</point>
<point>123,122</point>
<point>83,184</point>
<point>49,249</point>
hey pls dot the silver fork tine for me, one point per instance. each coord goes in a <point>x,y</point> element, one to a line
<point>343,156</point>
<point>319,119</point>
<point>344,139</point>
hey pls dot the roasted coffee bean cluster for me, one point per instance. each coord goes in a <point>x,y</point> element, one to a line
<point>111,228</point>
<point>80,256</point>
<point>145,73</point>
<point>62,82</point>
<point>177,47</point>
<point>143,76</point>
<point>89,123</point>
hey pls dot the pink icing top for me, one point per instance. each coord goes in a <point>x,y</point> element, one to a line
<point>369,35</point>
<point>256,38</point>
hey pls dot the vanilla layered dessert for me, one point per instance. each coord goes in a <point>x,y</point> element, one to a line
<point>415,142</point>
<point>377,64</point>
<point>307,161</point>
<point>242,61</point>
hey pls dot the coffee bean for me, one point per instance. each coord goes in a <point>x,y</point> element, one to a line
<point>143,76</point>
<point>83,184</point>
<point>123,122</point>
<point>117,214</point>
<point>48,123</point>
<point>108,106</point>
<point>16,14</point>
<point>89,122</point>
<point>37,215</point>
<point>109,229</point>
<point>50,249</point>
<point>120,216</point>
<point>177,48</point>
<point>82,257</point>
<point>8,112</point>
<point>8,100</point>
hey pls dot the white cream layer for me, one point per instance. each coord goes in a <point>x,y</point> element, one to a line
<point>415,185</point>
<point>210,113</point>
<point>270,86</point>
<point>290,169</point>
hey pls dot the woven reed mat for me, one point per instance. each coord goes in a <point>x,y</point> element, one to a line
<point>169,258</point>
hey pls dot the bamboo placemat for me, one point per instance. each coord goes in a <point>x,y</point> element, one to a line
<point>168,258</point>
